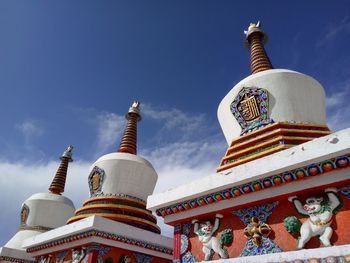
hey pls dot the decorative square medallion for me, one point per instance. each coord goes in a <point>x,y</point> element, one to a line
<point>251,109</point>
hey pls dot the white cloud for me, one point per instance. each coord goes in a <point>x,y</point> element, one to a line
<point>30,129</point>
<point>19,181</point>
<point>175,120</point>
<point>186,158</point>
<point>338,108</point>
<point>110,127</point>
<point>333,31</point>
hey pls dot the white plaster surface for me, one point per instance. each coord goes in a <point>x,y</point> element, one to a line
<point>49,210</point>
<point>290,256</point>
<point>14,253</point>
<point>105,225</point>
<point>45,210</point>
<point>127,174</point>
<point>16,241</point>
<point>317,150</point>
<point>293,97</point>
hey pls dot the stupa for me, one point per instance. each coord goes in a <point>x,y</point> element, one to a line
<point>113,225</point>
<point>281,192</point>
<point>40,213</point>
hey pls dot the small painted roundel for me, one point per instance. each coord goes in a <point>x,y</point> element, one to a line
<point>184,244</point>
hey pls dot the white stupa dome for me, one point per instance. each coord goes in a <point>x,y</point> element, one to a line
<point>292,97</point>
<point>41,212</point>
<point>125,174</point>
<point>45,211</point>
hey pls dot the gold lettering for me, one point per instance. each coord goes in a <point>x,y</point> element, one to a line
<point>249,108</point>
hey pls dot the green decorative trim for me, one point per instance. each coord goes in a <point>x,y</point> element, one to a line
<point>298,174</point>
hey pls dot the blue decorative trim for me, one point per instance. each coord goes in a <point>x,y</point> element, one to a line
<point>261,211</point>
<point>267,247</point>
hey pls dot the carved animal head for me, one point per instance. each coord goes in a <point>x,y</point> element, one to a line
<point>313,204</point>
<point>206,227</point>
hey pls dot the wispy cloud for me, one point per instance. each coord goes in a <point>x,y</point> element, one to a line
<point>333,31</point>
<point>175,120</point>
<point>19,180</point>
<point>30,129</point>
<point>338,108</point>
<point>110,127</point>
<point>194,151</point>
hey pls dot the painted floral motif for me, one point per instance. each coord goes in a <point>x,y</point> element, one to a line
<point>186,229</point>
<point>188,258</point>
<point>346,191</point>
<point>102,251</point>
<point>262,212</point>
<point>184,244</point>
<point>60,257</point>
<point>259,185</point>
<point>251,109</point>
<point>141,258</point>
<point>255,218</point>
<point>267,247</point>
<point>96,179</point>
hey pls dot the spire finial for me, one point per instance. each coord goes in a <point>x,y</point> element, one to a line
<point>68,153</point>
<point>59,181</point>
<point>135,108</point>
<point>255,40</point>
<point>129,139</point>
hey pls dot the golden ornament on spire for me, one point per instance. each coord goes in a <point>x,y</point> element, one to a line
<point>255,40</point>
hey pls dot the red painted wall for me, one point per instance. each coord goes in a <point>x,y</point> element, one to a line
<point>114,254</point>
<point>279,234</point>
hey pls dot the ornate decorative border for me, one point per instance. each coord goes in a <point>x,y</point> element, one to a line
<point>261,97</point>
<point>101,173</point>
<point>121,195</point>
<point>298,174</point>
<point>105,235</point>
<point>10,259</point>
<point>25,209</point>
<point>35,228</point>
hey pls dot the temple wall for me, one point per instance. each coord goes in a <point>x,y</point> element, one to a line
<point>279,235</point>
<point>96,253</point>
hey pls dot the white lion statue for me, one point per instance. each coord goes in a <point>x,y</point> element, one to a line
<point>320,212</point>
<point>211,244</point>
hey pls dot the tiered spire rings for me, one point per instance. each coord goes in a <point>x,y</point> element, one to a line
<point>59,181</point>
<point>255,40</point>
<point>129,139</point>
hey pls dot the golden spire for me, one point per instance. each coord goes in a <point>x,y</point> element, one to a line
<point>255,40</point>
<point>59,181</point>
<point>129,139</point>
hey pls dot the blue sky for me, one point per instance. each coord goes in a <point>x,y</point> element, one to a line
<point>70,69</point>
